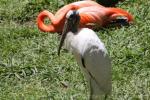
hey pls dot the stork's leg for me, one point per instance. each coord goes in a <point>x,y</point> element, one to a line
<point>106,96</point>
<point>91,90</point>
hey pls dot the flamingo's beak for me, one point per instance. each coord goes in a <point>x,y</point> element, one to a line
<point>121,20</point>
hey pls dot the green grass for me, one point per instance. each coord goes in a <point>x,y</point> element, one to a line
<point>30,68</point>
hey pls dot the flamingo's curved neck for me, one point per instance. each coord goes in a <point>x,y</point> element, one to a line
<point>40,21</point>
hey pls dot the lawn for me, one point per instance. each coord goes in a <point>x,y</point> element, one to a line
<point>30,68</point>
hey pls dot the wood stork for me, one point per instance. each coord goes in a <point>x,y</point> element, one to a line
<point>90,54</point>
<point>91,14</point>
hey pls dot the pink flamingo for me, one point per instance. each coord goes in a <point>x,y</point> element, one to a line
<point>58,20</point>
<point>90,13</point>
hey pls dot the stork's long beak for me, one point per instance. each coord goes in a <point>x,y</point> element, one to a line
<point>64,33</point>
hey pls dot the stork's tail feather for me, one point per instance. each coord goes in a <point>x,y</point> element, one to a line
<point>97,92</point>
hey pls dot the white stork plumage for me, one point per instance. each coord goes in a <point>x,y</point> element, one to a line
<point>90,54</point>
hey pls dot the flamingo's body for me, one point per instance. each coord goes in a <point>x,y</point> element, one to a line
<point>90,12</point>
<point>90,54</point>
<point>101,16</point>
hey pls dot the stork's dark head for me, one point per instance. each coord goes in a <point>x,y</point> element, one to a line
<point>71,25</point>
<point>72,21</point>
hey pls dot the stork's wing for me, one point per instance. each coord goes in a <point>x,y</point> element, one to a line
<point>98,65</point>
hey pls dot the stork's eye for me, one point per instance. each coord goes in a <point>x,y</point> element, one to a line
<point>71,16</point>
